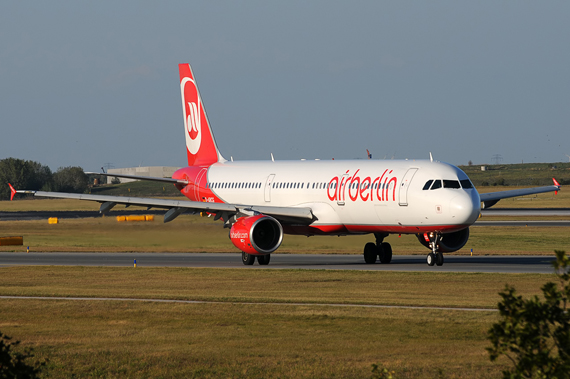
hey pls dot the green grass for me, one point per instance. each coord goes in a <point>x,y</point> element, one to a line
<point>197,234</point>
<point>314,286</point>
<point>132,340</point>
<point>237,340</point>
<point>528,175</point>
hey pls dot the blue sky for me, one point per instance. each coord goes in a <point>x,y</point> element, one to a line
<point>88,83</point>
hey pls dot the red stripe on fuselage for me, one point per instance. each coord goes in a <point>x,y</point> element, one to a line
<point>364,229</point>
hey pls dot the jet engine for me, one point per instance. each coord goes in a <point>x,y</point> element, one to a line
<point>257,235</point>
<point>449,242</point>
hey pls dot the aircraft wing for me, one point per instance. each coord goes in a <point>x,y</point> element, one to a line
<point>491,198</point>
<point>138,177</point>
<point>225,211</point>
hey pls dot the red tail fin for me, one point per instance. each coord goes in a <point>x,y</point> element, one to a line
<point>200,144</point>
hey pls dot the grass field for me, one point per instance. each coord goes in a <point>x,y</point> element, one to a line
<point>237,340</point>
<point>528,174</point>
<point>196,234</point>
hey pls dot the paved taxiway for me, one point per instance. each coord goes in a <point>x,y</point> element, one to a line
<point>453,263</point>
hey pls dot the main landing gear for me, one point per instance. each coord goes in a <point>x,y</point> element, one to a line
<point>249,259</point>
<point>436,256</point>
<point>380,249</point>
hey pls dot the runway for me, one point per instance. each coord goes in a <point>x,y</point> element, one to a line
<point>526,212</point>
<point>453,263</point>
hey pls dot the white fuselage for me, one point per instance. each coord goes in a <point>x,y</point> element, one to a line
<point>356,196</point>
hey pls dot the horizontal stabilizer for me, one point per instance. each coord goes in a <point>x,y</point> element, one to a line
<point>138,177</point>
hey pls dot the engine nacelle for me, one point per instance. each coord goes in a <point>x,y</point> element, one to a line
<point>449,242</point>
<point>257,235</point>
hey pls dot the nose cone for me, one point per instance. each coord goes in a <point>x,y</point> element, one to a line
<point>465,207</point>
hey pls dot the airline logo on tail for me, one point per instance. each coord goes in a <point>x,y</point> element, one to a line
<point>192,110</point>
<point>200,143</point>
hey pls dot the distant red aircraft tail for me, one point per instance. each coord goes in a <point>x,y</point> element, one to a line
<point>12,192</point>
<point>556,184</point>
<point>200,144</point>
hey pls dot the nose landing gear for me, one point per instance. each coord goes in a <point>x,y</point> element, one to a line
<point>436,256</point>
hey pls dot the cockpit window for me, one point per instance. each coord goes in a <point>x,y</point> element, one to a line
<point>451,184</point>
<point>436,184</point>
<point>427,185</point>
<point>466,184</point>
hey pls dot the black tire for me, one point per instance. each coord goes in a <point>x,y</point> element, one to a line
<point>263,259</point>
<point>386,253</point>
<point>439,259</point>
<point>430,259</point>
<point>247,259</point>
<point>370,253</point>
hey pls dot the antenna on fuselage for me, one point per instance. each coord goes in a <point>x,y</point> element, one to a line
<point>368,154</point>
<point>430,157</point>
<point>231,158</point>
<point>272,159</point>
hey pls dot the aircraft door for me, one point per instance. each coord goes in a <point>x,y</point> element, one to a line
<point>404,186</point>
<point>339,190</point>
<point>268,185</point>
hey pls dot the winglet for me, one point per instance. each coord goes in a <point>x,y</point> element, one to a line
<point>556,184</point>
<point>12,192</point>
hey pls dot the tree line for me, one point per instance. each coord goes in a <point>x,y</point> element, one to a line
<point>31,175</point>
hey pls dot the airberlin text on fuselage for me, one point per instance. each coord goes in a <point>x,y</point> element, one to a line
<point>381,188</point>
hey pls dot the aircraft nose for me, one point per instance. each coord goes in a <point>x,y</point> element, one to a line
<point>465,207</point>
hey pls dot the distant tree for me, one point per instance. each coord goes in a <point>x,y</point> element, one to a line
<point>470,163</point>
<point>70,179</point>
<point>13,363</point>
<point>534,334</point>
<point>23,175</point>
<point>42,177</point>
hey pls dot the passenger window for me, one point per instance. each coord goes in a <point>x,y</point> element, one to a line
<point>436,184</point>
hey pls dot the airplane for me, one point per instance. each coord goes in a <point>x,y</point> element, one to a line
<point>260,201</point>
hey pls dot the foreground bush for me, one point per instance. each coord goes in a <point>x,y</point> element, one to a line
<point>534,334</point>
<point>13,363</point>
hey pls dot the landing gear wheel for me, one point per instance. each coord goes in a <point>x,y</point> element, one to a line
<point>431,259</point>
<point>263,259</point>
<point>247,259</point>
<point>439,259</point>
<point>370,253</point>
<point>385,253</point>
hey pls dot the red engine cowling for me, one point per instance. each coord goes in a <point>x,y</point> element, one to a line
<point>257,235</point>
<point>449,242</point>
